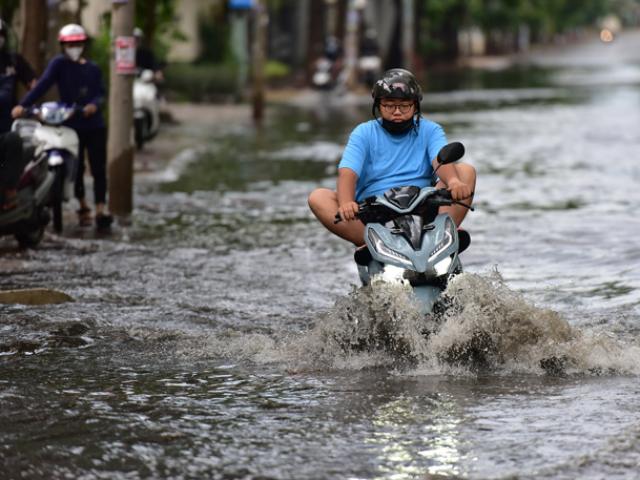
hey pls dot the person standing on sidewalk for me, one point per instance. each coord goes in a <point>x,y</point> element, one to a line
<point>79,82</point>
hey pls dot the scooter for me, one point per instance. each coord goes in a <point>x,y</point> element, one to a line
<point>408,240</point>
<point>324,77</point>
<point>58,146</point>
<point>27,221</point>
<point>146,108</point>
<point>370,67</point>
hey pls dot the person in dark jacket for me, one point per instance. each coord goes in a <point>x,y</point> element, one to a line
<point>13,69</point>
<point>79,82</point>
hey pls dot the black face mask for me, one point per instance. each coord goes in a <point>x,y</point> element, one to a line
<point>397,128</point>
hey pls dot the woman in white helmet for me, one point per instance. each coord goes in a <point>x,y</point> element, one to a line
<point>79,82</point>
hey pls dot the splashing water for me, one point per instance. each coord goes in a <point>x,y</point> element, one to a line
<point>491,326</point>
<point>487,328</point>
<point>376,325</point>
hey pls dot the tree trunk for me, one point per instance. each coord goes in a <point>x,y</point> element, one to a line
<point>33,19</point>
<point>78,15</point>
<point>258,51</point>
<point>120,148</point>
<point>149,24</point>
<point>315,34</point>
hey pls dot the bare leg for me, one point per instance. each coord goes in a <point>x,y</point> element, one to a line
<point>324,205</point>
<point>467,174</point>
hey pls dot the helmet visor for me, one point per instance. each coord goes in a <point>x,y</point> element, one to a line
<point>397,89</point>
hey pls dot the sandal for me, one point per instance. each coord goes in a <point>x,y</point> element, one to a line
<point>103,222</point>
<point>84,216</point>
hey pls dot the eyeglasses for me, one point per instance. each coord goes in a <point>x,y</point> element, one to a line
<point>391,107</point>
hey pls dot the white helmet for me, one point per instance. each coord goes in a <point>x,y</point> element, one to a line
<point>72,33</point>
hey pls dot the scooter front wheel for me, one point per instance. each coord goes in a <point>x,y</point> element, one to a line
<point>140,128</point>
<point>30,239</point>
<point>57,198</point>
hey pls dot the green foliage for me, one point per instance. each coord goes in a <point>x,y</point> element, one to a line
<point>157,19</point>
<point>215,41</point>
<point>200,82</point>
<point>545,18</point>
<point>100,49</point>
<point>8,9</point>
<point>275,70</point>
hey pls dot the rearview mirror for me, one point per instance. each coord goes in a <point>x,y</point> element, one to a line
<point>450,153</point>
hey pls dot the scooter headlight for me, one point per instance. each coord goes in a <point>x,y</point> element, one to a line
<point>442,267</point>
<point>382,249</point>
<point>446,241</point>
<point>55,159</point>
<point>53,113</point>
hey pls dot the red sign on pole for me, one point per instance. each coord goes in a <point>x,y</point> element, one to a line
<point>125,55</point>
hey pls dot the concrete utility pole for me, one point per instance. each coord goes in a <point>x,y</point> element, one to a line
<point>240,49</point>
<point>259,50</point>
<point>351,44</point>
<point>119,146</point>
<point>408,33</point>
<point>33,22</point>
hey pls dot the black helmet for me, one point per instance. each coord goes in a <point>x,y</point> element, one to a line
<point>397,83</point>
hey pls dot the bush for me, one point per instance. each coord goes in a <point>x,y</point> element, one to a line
<point>200,82</point>
<point>275,70</point>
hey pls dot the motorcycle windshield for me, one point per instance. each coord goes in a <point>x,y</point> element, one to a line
<point>411,228</point>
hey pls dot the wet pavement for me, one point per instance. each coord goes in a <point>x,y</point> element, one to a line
<point>213,337</point>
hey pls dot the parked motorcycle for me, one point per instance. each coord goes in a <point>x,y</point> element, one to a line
<point>324,76</point>
<point>369,61</point>
<point>58,145</point>
<point>328,69</point>
<point>406,238</point>
<point>370,69</point>
<point>146,108</point>
<point>27,221</point>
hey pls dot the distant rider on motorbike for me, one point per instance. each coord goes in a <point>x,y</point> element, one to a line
<point>145,58</point>
<point>398,149</point>
<point>79,82</point>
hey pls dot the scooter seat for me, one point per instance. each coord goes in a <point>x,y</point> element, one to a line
<point>362,256</point>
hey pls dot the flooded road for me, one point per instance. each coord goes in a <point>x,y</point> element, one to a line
<point>213,337</point>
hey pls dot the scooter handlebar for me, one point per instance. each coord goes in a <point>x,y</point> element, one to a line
<point>441,197</point>
<point>34,110</point>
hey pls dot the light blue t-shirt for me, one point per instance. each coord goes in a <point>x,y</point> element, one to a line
<point>383,161</point>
